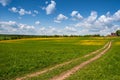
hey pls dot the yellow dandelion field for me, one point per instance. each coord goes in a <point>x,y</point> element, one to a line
<point>117,43</point>
<point>91,42</point>
<point>18,40</point>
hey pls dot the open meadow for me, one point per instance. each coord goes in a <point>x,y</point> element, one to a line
<point>106,68</point>
<point>59,39</point>
<point>24,56</point>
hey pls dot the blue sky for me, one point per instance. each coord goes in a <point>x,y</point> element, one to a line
<point>50,17</point>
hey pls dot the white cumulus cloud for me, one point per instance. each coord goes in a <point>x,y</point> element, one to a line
<point>12,27</point>
<point>36,12</point>
<point>70,29</point>
<point>92,17</point>
<point>23,12</point>
<point>50,8</point>
<point>93,24</point>
<point>116,16</point>
<point>37,22</point>
<point>60,18</point>
<point>13,9</point>
<point>105,24</point>
<point>48,31</point>
<point>76,15</point>
<point>20,11</point>
<point>4,2</point>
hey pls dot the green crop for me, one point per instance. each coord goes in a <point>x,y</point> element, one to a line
<point>23,56</point>
<point>105,68</point>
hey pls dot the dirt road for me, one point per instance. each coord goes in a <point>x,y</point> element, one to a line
<point>59,65</point>
<point>66,74</point>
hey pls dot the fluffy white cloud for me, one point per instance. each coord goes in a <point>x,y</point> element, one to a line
<point>48,31</point>
<point>70,29</point>
<point>13,9</point>
<point>37,22</point>
<point>4,2</point>
<point>50,8</point>
<point>60,18</point>
<point>83,24</point>
<point>108,19</point>
<point>105,24</point>
<point>116,16</point>
<point>103,20</point>
<point>36,12</point>
<point>92,17</point>
<point>21,11</point>
<point>13,27</point>
<point>88,22</point>
<point>25,26</point>
<point>76,15</point>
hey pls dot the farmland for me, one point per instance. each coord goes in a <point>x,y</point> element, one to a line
<point>59,40</point>
<point>23,56</point>
<point>106,68</point>
<point>18,57</point>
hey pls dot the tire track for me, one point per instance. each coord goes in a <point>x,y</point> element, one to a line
<point>67,74</point>
<point>58,65</point>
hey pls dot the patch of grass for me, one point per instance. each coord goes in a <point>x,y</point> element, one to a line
<point>59,70</point>
<point>29,55</point>
<point>105,68</point>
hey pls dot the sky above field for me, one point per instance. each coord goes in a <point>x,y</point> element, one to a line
<point>50,17</point>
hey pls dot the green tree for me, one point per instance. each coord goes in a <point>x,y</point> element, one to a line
<point>118,32</point>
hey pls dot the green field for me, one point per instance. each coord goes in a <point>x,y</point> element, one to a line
<point>106,68</point>
<point>23,56</point>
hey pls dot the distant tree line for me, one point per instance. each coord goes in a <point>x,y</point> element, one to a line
<point>11,37</point>
<point>95,35</point>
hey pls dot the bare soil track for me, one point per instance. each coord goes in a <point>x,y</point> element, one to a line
<point>66,74</point>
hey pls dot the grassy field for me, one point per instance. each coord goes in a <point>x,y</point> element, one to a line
<point>19,57</point>
<point>106,68</point>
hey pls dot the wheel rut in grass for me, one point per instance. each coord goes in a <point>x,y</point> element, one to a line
<point>67,74</point>
<point>58,65</point>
